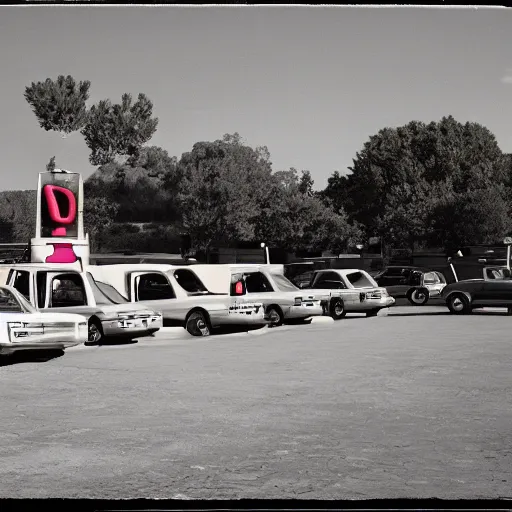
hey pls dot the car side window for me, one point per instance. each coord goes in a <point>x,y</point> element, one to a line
<point>22,283</point>
<point>329,280</point>
<point>430,278</point>
<point>189,281</point>
<point>154,287</point>
<point>68,290</point>
<point>256,282</point>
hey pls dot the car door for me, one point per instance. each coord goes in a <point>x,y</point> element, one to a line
<point>395,280</point>
<point>62,292</point>
<point>155,291</point>
<point>332,280</point>
<point>495,290</point>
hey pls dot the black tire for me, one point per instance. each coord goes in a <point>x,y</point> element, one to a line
<point>337,309</point>
<point>275,315</point>
<point>95,332</point>
<point>198,324</point>
<point>458,304</point>
<point>418,296</point>
<point>372,312</point>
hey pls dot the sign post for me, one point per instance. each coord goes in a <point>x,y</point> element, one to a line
<point>508,242</point>
<point>59,236</point>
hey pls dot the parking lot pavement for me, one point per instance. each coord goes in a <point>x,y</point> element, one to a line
<point>404,406</point>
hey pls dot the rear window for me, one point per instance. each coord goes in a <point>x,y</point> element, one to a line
<point>284,284</point>
<point>360,280</point>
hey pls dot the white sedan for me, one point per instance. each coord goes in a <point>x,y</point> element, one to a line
<point>22,327</point>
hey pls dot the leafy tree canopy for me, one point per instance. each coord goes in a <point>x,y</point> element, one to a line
<point>118,130</point>
<point>397,178</point>
<point>59,104</point>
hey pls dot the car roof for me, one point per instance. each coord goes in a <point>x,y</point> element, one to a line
<point>411,267</point>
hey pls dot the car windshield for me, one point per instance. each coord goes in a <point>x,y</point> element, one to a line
<point>111,293</point>
<point>284,284</point>
<point>100,298</point>
<point>9,302</point>
<point>26,304</point>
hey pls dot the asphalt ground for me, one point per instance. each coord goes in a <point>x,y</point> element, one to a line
<point>412,404</point>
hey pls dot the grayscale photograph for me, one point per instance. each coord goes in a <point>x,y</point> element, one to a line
<point>255,252</point>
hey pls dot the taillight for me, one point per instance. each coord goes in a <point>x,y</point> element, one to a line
<point>239,289</point>
<point>298,301</point>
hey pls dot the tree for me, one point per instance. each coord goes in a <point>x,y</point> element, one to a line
<point>146,188</point>
<point>222,187</point>
<point>306,184</point>
<point>335,194</point>
<point>18,212</point>
<point>396,176</point>
<point>99,215</point>
<point>477,216</point>
<point>298,221</point>
<point>59,105</point>
<point>50,166</point>
<point>119,130</point>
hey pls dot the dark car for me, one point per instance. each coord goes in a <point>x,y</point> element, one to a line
<point>493,289</point>
<point>417,284</point>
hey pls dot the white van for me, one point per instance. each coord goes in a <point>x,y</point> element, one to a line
<point>197,302</point>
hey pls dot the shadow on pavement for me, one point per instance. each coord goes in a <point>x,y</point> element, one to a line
<point>112,342</point>
<point>30,356</point>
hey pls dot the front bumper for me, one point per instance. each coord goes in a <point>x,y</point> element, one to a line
<point>132,327</point>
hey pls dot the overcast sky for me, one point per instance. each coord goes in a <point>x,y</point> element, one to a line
<point>312,84</point>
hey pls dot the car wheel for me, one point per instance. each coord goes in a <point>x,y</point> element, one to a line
<point>95,332</point>
<point>197,324</point>
<point>418,296</point>
<point>458,304</point>
<point>275,316</point>
<point>372,312</point>
<point>337,309</point>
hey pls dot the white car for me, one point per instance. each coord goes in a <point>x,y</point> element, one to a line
<point>180,294</point>
<point>283,302</point>
<point>350,290</point>
<point>22,327</point>
<point>58,287</point>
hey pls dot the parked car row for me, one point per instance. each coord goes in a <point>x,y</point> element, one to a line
<point>134,300</point>
<point>61,305</point>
